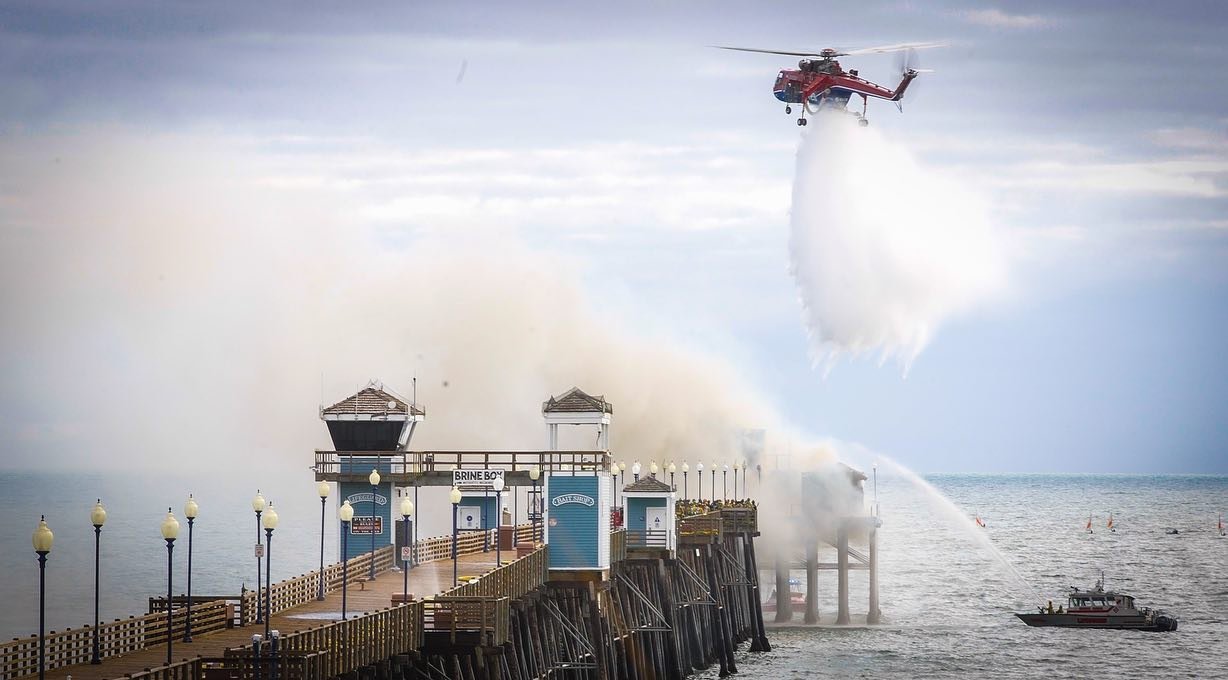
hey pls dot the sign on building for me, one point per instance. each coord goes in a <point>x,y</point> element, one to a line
<point>367,525</point>
<point>475,479</point>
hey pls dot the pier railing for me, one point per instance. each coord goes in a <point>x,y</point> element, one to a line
<point>510,580</point>
<point>121,636</point>
<point>487,617</point>
<point>618,545</point>
<point>705,527</point>
<point>740,520</point>
<point>641,538</point>
<point>345,646</point>
<point>403,466</point>
<point>19,657</point>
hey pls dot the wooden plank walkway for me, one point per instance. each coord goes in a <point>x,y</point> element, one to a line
<point>425,580</point>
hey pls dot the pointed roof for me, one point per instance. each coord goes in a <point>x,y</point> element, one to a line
<point>576,400</point>
<point>373,402</point>
<point>648,484</point>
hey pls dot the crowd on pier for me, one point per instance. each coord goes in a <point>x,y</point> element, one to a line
<point>691,507</point>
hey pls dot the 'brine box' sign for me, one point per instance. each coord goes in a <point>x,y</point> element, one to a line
<point>578,522</point>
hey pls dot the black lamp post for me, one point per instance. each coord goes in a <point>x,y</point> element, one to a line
<point>725,483</point>
<point>455,497</point>
<point>322,490</point>
<point>672,470</point>
<point>258,507</point>
<point>714,481</point>
<point>686,467</point>
<point>170,531</point>
<point>614,481</point>
<point>98,517</point>
<point>345,513</point>
<point>699,474</point>
<point>736,465</point>
<point>535,474</point>
<point>270,523</point>
<point>407,511</point>
<point>622,473</point>
<point>635,472</point>
<point>374,479</point>
<point>190,509</point>
<point>498,487</point>
<point>42,539</point>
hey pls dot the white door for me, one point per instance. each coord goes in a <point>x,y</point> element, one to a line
<point>469,517</point>
<point>655,521</point>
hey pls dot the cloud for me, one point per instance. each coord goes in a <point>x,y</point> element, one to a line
<point>996,18</point>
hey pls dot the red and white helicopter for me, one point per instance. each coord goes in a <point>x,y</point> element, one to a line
<point>819,81</point>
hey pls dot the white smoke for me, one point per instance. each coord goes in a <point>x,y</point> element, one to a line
<point>883,249</point>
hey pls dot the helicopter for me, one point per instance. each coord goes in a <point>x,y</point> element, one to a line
<point>820,82</point>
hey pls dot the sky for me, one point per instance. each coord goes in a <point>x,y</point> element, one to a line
<point>167,171</point>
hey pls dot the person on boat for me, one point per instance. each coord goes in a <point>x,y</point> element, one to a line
<point>1050,606</point>
<point>1059,609</point>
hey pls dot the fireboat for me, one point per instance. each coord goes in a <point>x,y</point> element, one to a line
<point>1097,608</point>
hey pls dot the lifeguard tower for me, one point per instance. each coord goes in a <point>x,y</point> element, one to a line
<point>375,424</point>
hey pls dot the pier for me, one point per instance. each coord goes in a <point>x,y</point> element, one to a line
<point>587,589</point>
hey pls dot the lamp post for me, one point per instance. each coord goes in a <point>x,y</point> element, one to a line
<point>258,507</point>
<point>98,517</point>
<point>699,473</point>
<point>407,510</point>
<point>42,540</point>
<point>535,473</point>
<point>322,490</point>
<point>876,489</point>
<point>736,465</point>
<point>635,472</point>
<point>455,498</point>
<point>498,487</point>
<point>652,469</point>
<point>170,531</point>
<point>725,482</point>
<point>345,513</point>
<point>190,510</point>
<point>270,523</point>
<point>622,473</point>
<point>672,470</point>
<point>374,479</point>
<point>614,481</point>
<point>714,480</point>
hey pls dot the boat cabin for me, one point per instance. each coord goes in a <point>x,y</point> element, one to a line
<point>1098,600</point>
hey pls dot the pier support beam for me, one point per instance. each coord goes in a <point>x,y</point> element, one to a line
<point>842,558</point>
<point>874,615</point>
<point>784,598</point>
<point>812,581</point>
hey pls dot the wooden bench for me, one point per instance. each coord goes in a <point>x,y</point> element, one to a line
<point>402,598</point>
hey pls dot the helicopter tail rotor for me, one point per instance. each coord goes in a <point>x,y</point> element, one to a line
<point>907,63</point>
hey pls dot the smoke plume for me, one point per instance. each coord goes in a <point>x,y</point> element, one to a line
<point>883,249</point>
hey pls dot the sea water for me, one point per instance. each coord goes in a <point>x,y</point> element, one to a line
<point>947,601</point>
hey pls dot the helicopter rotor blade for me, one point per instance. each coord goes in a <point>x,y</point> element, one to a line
<point>900,47</point>
<point>785,52</point>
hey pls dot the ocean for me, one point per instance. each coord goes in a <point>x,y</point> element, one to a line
<point>947,587</point>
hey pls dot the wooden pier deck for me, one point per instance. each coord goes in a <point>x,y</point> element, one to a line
<point>425,580</point>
